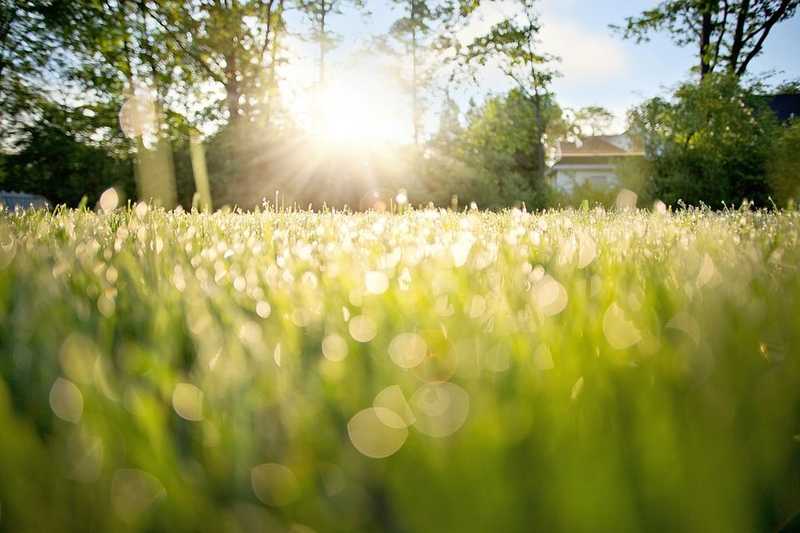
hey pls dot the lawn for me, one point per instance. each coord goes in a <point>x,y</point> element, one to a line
<point>423,371</point>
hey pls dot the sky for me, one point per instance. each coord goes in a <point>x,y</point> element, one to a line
<point>597,66</point>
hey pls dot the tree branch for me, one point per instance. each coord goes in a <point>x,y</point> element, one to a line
<point>214,75</point>
<point>738,43</point>
<point>722,30</point>
<point>774,19</point>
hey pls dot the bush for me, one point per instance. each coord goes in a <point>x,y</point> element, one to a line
<point>784,165</point>
<point>711,144</point>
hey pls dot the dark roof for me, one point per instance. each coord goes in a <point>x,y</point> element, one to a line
<point>785,106</point>
<point>590,146</point>
<point>600,145</point>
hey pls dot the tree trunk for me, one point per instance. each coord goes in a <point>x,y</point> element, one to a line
<point>273,64</point>
<point>540,127</point>
<point>738,36</point>
<point>705,38</point>
<point>232,89</point>
<point>414,102</point>
<point>322,43</point>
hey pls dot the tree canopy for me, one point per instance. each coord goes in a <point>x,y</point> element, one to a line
<point>728,34</point>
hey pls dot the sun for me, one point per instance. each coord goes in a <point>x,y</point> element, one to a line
<point>358,110</point>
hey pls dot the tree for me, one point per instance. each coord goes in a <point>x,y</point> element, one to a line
<point>231,43</point>
<point>513,44</point>
<point>52,162</point>
<point>728,34</point>
<point>450,128</point>
<point>593,120</point>
<point>710,144</point>
<point>319,13</point>
<point>494,159</point>
<point>413,31</point>
<point>783,168</point>
<point>27,45</point>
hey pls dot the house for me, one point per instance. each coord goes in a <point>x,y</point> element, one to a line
<point>785,106</point>
<point>13,200</point>
<point>593,160</point>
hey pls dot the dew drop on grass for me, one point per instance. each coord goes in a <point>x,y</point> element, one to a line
<point>77,357</point>
<point>66,400</point>
<point>187,400</point>
<point>372,437</point>
<point>334,347</point>
<point>133,491</point>
<point>550,296</point>
<point>109,200</point>
<point>707,272</point>
<point>274,484</point>
<point>620,332</point>
<point>362,328</point>
<point>376,282</point>
<point>141,209</point>
<point>392,399</point>
<point>263,309</point>
<point>587,250</point>
<point>408,350</point>
<point>686,323</point>
<point>460,252</point>
<point>441,409</point>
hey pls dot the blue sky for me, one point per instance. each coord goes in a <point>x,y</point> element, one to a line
<point>598,67</point>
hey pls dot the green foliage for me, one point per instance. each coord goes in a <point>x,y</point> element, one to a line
<point>729,34</point>
<point>216,65</point>
<point>783,166</point>
<point>572,371</point>
<point>54,163</point>
<point>593,120</point>
<point>494,159</point>
<point>26,48</point>
<point>711,144</point>
<point>412,32</point>
<point>585,195</point>
<point>513,46</point>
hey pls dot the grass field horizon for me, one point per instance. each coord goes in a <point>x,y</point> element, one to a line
<point>426,370</point>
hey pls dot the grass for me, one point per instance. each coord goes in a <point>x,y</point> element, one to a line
<point>572,371</point>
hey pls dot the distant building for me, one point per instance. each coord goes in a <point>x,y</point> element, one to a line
<point>13,200</point>
<point>785,106</point>
<point>593,160</point>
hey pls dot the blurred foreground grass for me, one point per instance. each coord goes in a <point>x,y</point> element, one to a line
<point>428,371</point>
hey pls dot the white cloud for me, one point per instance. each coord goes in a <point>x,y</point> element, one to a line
<point>586,54</point>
